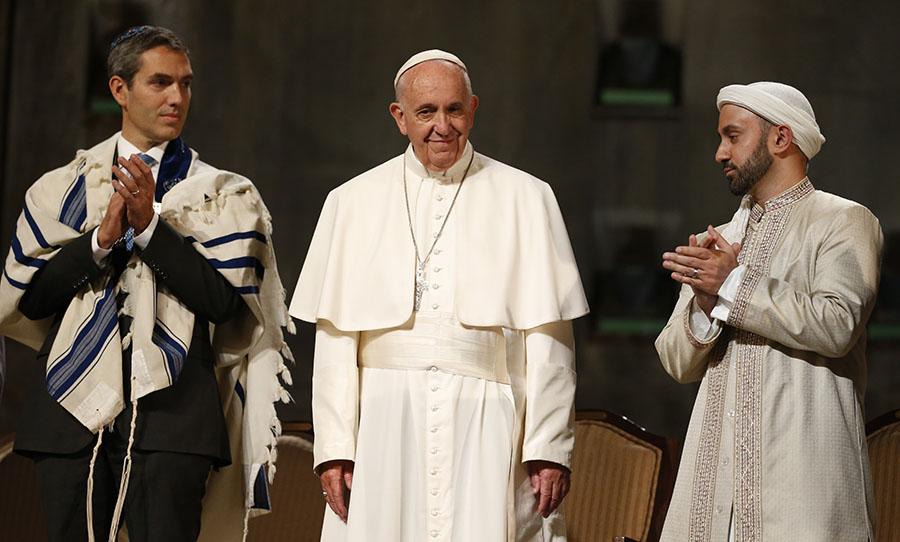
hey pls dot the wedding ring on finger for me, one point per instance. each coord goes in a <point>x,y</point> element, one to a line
<point>695,274</point>
<point>138,191</point>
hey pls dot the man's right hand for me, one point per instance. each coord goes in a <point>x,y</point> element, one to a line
<point>705,301</point>
<point>336,478</point>
<point>114,224</point>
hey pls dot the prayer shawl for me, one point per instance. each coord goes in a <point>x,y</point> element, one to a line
<point>222,214</point>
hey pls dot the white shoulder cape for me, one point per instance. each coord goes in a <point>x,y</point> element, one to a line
<point>516,266</point>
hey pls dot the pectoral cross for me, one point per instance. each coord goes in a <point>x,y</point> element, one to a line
<point>421,285</point>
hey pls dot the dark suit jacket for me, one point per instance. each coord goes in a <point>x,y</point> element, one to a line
<point>185,417</point>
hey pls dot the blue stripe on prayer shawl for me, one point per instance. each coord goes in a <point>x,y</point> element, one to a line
<point>17,284</point>
<point>237,263</point>
<point>252,234</point>
<point>261,490</point>
<point>239,390</point>
<point>89,343</point>
<point>174,167</point>
<point>38,236</point>
<point>172,349</point>
<point>247,290</point>
<point>22,258</point>
<point>74,207</point>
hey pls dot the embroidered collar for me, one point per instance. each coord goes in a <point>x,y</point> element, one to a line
<point>789,196</point>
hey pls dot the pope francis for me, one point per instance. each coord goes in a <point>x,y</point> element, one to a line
<point>442,284</point>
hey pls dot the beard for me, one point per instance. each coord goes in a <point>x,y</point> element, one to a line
<point>747,175</point>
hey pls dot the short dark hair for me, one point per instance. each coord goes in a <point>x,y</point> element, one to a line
<point>125,52</point>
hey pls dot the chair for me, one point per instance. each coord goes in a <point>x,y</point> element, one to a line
<point>296,496</point>
<point>622,480</point>
<point>883,437</point>
<point>23,518</point>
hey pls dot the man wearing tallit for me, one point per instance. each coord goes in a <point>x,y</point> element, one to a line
<point>442,284</point>
<point>147,282</point>
<point>772,320</point>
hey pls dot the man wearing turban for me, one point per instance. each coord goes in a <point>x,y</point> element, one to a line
<point>771,319</point>
<point>435,280</point>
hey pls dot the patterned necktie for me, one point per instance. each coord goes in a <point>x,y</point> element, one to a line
<point>129,233</point>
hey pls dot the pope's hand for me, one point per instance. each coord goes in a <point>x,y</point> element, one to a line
<point>336,478</point>
<point>549,483</point>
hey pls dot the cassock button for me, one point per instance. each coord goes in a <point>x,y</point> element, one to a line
<point>437,269</point>
<point>434,512</point>
<point>434,533</point>
<point>435,306</point>
<point>433,472</point>
<point>433,369</point>
<point>435,286</point>
<point>434,429</point>
<point>434,451</point>
<point>434,491</point>
<point>718,510</point>
<point>434,408</point>
<point>439,197</point>
<point>438,216</point>
<point>434,388</point>
<point>437,251</point>
<point>725,461</point>
<point>731,414</point>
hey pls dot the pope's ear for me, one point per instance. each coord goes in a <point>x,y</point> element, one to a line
<point>399,117</point>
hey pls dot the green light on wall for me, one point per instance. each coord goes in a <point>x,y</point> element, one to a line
<point>638,97</point>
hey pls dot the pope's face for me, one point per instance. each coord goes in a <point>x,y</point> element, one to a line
<point>155,105</point>
<point>743,148</point>
<point>436,112</point>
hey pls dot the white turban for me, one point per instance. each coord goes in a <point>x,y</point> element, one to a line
<point>425,56</point>
<point>779,104</point>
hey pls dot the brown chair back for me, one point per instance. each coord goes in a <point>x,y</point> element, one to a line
<point>19,498</point>
<point>884,457</point>
<point>622,480</point>
<point>296,496</point>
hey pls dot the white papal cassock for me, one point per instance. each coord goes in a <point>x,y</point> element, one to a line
<point>436,407</point>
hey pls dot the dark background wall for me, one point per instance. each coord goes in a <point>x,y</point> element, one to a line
<point>294,95</point>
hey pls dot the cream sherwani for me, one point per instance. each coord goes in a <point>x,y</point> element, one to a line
<point>431,405</point>
<point>777,435</point>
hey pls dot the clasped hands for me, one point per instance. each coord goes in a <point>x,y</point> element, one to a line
<point>703,266</point>
<point>549,484</point>
<point>131,205</point>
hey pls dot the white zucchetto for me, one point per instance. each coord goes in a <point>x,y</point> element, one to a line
<point>425,56</point>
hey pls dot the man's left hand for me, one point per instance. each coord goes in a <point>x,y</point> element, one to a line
<point>134,182</point>
<point>549,483</point>
<point>705,269</point>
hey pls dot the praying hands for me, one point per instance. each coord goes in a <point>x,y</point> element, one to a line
<point>703,265</point>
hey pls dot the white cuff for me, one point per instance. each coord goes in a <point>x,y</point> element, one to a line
<point>99,252</point>
<point>701,326</point>
<point>728,293</point>
<point>144,238</point>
